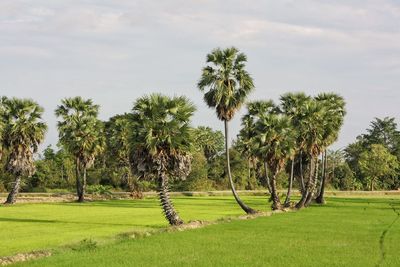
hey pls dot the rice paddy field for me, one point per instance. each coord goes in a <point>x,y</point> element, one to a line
<point>347,231</point>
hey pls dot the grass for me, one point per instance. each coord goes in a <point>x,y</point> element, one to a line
<point>345,232</point>
<point>27,227</point>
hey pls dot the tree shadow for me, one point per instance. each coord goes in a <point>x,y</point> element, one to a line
<point>28,220</point>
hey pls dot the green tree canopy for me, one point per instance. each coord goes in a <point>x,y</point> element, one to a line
<point>377,163</point>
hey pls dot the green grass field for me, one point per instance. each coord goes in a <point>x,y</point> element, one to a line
<point>27,227</point>
<point>345,232</point>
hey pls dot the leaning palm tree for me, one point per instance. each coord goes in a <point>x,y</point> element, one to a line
<point>226,84</point>
<point>161,143</point>
<point>23,132</point>
<point>276,144</point>
<point>81,134</point>
<point>334,118</point>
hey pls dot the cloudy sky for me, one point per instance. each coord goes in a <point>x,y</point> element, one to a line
<point>116,51</point>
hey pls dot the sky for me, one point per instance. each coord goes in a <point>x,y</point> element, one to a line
<point>117,51</point>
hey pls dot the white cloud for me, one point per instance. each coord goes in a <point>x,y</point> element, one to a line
<point>115,50</point>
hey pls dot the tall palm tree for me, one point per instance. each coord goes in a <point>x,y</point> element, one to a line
<point>81,134</point>
<point>334,118</point>
<point>292,104</point>
<point>22,133</point>
<point>161,143</point>
<point>276,143</point>
<point>226,84</point>
<point>311,131</point>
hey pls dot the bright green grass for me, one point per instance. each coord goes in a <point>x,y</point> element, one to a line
<point>27,227</point>
<point>345,232</point>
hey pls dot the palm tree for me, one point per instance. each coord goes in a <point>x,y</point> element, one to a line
<point>311,131</point>
<point>276,143</point>
<point>291,105</point>
<point>334,118</point>
<point>22,133</point>
<point>81,134</point>
<point>161,143</point>
<point>256,109</point>
<point>226,84</point>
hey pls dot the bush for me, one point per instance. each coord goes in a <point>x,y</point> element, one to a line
<point>99,190</point>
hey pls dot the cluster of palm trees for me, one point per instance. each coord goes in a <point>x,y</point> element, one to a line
<point>155,140</point>
<point>299,129</point>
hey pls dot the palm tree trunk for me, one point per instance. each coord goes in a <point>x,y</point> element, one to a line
<point>163,192</point>
<point>246,208</point>
<point>301,173</point>
<point>276,202</point>
<point>79,191</point>
<point>249,175</point>
<point>84,183</point>
<point>289,192</point>
<point>267,177</point>
<point>306,191</point>
<point>320,199</point>
<point>312,184</point>
<point>12,196</point>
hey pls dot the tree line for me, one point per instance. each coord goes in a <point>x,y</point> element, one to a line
<point>154,146</point>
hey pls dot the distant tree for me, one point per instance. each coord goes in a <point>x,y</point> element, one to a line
<point>81,134</point>
<point>197,179</point>
<point>118,133</point>
<point>226,84</point>
<point>210,142</point>
<point>384,131</point>
<point>377,163</point>
<point>381,131</point>
<point>22,133</point>
<point>161,143</point>
<point>343,178</point>
<point>54,169</point>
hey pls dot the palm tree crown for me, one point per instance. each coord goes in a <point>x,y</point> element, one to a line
<point>80,131</point>
<point>23,132</point>
<point>227,81</point>
<point>161,129</point>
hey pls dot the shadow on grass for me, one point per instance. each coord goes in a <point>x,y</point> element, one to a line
<point>2,219</point>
